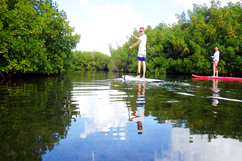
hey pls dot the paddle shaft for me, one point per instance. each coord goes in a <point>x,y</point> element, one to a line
<point>127,59</point>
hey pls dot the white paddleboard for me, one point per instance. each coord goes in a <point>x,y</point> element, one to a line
<point>132,78</point>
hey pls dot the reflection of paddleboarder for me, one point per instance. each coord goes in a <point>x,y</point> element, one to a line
<point>215,94</point>
<point>140,106</point>
<point>142,50</point>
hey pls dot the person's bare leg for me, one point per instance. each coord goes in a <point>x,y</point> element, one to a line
<point>144,69</point>
<point>139,65</point>
<point>216,70</point>
<point>213,69</point>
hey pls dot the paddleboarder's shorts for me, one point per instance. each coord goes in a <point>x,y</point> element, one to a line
<point>141,58</point>
<point>142,55</point>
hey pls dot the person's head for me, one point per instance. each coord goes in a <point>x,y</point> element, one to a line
<point>141,30</point>
<point>139,125</point>
<point>216,48</point>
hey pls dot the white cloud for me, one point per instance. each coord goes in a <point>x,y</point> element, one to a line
<point>105,24</point>
<point>189,3</point>
<point>171,20</point>
<point>83,3</point>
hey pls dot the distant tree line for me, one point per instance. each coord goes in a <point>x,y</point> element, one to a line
<point>86,60</point>
<point>186,47</point>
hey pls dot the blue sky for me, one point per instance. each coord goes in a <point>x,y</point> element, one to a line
<point>104,22</point>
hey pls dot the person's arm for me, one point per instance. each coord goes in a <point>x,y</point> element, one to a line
<point>135,37</point>
<point>137,43</point>
<point>213,55</point>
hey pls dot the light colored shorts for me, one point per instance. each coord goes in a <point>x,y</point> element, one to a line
<point>142,55</point>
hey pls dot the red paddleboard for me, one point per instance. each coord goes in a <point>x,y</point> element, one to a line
<point>219,78</point>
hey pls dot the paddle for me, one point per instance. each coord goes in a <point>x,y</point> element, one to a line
<point>127,59</point>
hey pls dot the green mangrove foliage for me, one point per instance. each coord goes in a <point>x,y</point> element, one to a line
<point>186,47</point>
<point>35,37</point>
<point>87,60</point>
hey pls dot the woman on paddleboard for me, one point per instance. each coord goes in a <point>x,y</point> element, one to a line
<point>215,62</point>
<point>142,50</point>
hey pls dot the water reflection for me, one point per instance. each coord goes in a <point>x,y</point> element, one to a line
<point>34,117</point>
<point>138,115</point>
<point>189,147</point>
<point>184,128</point>
<point>39,119</point>
<point>103,106</point>
<point>215,94</point>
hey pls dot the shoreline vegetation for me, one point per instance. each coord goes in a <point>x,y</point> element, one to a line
<point>186,47</point>
<point>36,39</point>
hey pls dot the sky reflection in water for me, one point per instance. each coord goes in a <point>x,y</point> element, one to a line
<point>180,119</point>
<point>107,127</point>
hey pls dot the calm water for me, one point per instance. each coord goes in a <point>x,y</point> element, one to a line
<point>92,116</point>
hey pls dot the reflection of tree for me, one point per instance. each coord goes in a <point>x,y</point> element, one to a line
<point>194,112</point>
<point>34,116</point>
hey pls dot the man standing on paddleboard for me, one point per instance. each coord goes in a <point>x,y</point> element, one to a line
<point>142,50</point>
<point>215,62</point>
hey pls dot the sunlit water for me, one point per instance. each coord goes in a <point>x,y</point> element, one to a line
<point>95,116</point>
